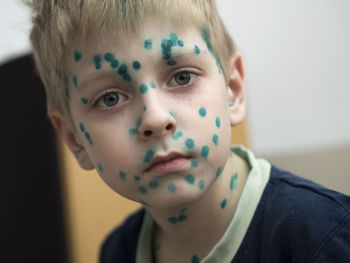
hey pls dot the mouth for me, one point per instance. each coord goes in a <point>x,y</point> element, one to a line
<point>168,163</point>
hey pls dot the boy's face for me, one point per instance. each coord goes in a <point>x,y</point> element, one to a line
<point>151,112</point>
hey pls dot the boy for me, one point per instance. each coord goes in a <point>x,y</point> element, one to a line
<point>146,92</point>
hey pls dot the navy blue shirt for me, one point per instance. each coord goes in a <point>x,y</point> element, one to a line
<point>296,221</point>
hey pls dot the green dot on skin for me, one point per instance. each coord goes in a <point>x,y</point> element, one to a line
<point>182,218</point>
<point>218,172</point>
<point>143,88</point>
<point>172,114</point>
<point>81,126</point>
<point>75,81</point>
<point>173,38</point>
<point>201,184</point>
<point>153,86</point>
<point>172,220</point>
<point>137,178</point>
<point>202,112</point>
<point>87,136</point>
<point>217,122</point>
<point>149,155</point>
<point>172,188</point>
<point>114,63</point>
<point>153,184</point>
<point>67,93</point>
<point>109,57</point>
<point>180,43</point>
<point>136,65</point>
<point>205,151</point>
<point>77,56</point>
<point>223,203</point>
<point>233,181</point>
<point>189,143</point>
<point>147,44</point>
<point>142,190</point>
<point>197,50</point>
<point>138,122</point>
<point>216,139</point>
<point>190,179</point>
<point>132,131</point>
<point>195,259</point>
<point>100,167</point>
<point>171,63</point>
<point>177,135</point>
<point>84,101</point>
<point>194,164</point>
<point>122,175</point>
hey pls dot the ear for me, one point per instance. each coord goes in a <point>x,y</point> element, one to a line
<point>70,138</point>
<point>236,93</point>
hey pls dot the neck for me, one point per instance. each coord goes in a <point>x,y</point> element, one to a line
<point>199,226</point>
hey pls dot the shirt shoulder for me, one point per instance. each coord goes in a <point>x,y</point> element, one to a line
<point>120,245</point>
<point>297,221</point>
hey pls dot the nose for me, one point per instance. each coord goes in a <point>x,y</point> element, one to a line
<point>157,122</point>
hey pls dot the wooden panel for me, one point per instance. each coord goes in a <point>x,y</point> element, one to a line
<point>93,209</point>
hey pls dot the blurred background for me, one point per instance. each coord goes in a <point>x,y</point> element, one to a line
<point>297,62</point>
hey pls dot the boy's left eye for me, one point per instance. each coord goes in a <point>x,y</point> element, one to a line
<point>182,78</point>
<point>111,99</point>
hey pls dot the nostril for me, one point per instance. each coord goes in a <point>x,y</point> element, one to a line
<point>147,133</point>
<point>169,127</point>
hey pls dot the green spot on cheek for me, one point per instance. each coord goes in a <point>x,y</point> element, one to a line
<point>153,184</point>
<point>138,122</point>
<point>100,168</point>
<point>75,81</point>
<point>190,179</point>
<point>195,259</point>
<point>205,151</point>
<point>177,135</point>
<point>153,86</point>
<point>201,184</point>
<point>189,143</point>
<point>142,190</point>
<point>81,126</point>
<point>143,88</point>
<point>137,178</point>
<point>194,164</point>
<point>84,101</point>
<point>132,131</point>
<point>197,50</point>
<point>172,220</point>
<point>218,172</point>
<point>180,43</point>
<point>202,112</point>
<point>122,175</point>
<point>172,188</point>
<point>77,56</point>
<point>147,44</point>
<point>217,122</point>
<point>136,65</point>
<point>172,114</point>
<point>148,157</point>
<point>223,203</point>
<point>216,139</point>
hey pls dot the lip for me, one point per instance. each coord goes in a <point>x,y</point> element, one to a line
<point>171,162</point>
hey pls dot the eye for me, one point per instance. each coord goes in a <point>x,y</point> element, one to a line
<point>111,99</point>
<point>182,78</point>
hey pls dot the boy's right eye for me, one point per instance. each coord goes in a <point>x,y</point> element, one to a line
<point>111,99</point>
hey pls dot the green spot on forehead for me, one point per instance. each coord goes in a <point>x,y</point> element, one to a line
<point>202,112</point>
<point>149,155</point>
<point>190,179</point>
<point>84,101</point>
<point>205,151</point>
<point>180,43</point>
<point>189,143</point>
<point>223,203</point>
<point>153,184</point>
<point>122,175</point>
<point>147,44</point>
<point>172,188</point>
<point>171,63</point>
<point>143,88</point>
<point>77,56</point>
<point>137,178</point>
<point>114,63</point>
<point>173,38</point>
<point>207,39</point>
<point>136,65</point>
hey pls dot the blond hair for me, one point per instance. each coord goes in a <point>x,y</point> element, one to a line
<point>57,22</point>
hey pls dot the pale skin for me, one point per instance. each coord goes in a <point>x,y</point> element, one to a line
<point>121,128</point>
